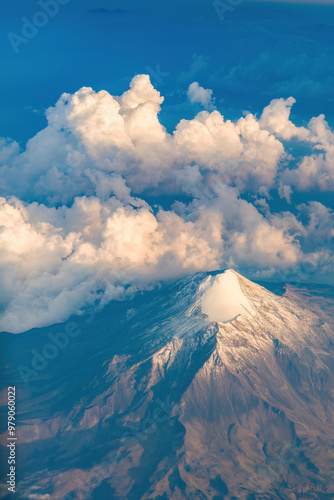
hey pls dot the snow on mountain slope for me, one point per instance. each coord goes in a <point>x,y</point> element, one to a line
<point>213,387</point>
<point>269,379</point>
<point>224,300</point>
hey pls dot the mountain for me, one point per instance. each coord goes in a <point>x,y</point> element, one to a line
<point>210,388</point>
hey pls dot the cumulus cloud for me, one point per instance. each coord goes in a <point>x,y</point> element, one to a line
<point>315,171</point>
<point>90,132</point>
<point>285,192</point>
<point>275,118</point>
<point>241,153</point>
<point>50,270</point>
<point>200,95</point>
<point>80,228</point>
<point>55,261</point>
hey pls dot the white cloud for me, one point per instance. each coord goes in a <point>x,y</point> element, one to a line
<point>275,118</point>
<point>285,192</point>
<point>77,228</point>
<point>52,270</point>
<point>317,170</point>
<point>54,261</point>
<point>200,95</point>
<point>241,154</point>
<point>92,135</point>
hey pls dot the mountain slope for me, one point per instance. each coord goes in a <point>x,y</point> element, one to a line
<point>213,387</point>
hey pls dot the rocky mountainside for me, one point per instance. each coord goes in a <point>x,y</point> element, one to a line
<point>211,388</point>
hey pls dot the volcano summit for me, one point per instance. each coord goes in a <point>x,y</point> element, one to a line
<point>212,387</point>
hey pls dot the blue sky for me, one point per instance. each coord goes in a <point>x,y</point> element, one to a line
<point>262,50</point>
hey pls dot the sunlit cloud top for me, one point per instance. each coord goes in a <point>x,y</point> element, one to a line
<point>104,201</point>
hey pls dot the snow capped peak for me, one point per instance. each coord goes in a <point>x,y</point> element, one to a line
<point>224,299</point>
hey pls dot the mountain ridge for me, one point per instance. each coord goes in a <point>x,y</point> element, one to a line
<point>191,408</point>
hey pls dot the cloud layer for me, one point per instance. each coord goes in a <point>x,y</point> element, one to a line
<point>104,201</point>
